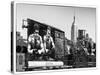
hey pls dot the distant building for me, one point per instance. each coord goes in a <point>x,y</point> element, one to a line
<point>19,40</point>
<point>81,34</point>
<point>74,32</point>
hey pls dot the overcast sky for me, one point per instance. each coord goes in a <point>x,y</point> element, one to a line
<point>59,17</point>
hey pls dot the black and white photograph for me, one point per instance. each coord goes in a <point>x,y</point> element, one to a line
<point>52,37</point>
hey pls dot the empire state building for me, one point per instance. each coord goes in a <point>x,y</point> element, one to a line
<point>74,32</point>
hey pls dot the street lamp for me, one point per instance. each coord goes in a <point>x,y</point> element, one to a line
<point>24,23</point>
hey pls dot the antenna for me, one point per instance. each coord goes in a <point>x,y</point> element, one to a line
<point>74,15</point>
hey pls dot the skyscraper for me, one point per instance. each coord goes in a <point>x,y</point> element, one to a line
<point>74,31</point>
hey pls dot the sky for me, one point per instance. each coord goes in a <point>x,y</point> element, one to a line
<point>60,17</point>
